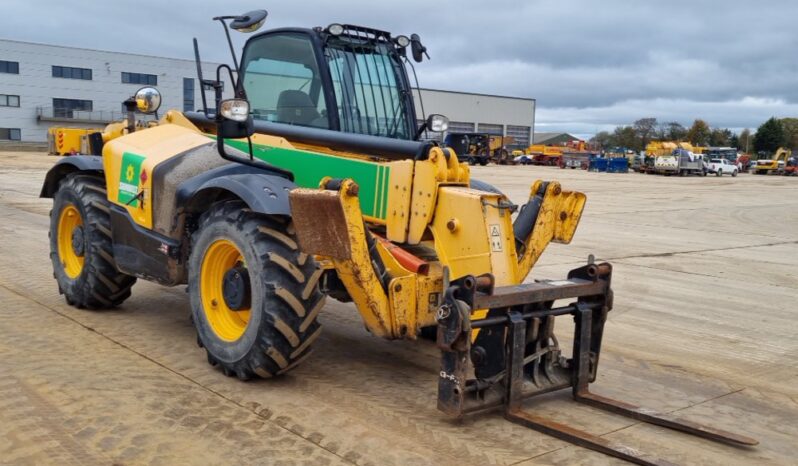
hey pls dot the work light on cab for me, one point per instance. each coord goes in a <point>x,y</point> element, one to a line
<point>235,109</point>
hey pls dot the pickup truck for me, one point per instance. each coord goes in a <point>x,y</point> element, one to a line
<point>722,166</point>
<point>680,162</point>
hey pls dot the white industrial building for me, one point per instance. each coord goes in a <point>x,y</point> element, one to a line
<point>49,85</point>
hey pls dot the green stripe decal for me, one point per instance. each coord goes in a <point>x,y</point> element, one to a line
<point>386,182</point>
<point>310,167</point>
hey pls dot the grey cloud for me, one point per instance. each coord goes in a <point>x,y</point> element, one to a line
<point>588,63</point>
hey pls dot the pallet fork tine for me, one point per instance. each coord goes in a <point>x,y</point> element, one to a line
<point>524,316</point>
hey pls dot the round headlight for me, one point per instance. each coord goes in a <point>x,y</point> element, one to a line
<point>335,29</point>
<point>402,41</point>
<point>234,109</point>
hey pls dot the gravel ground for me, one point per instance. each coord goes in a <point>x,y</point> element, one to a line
<point>704,325</point>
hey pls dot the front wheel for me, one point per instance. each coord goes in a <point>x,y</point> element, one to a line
<point>734,173</point>
<point>719,173</point>
<point>254,296</point>
<point>81,247</point>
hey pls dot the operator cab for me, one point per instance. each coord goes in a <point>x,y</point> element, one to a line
<point>342,78</point>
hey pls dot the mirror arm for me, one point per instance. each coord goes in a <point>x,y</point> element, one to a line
<point>421,129</point>
<point>235,82</point>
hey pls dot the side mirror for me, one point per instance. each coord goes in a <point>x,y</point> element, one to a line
<point>148,100</point>
<point>249,22</point>
<point>417,48</point>
<point>233,120</point>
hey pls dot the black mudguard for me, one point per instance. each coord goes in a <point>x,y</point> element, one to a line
<point>67,165</point>
<point>263,192</point>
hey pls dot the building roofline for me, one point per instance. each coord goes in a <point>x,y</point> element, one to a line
<point>528,99</point>
<point>102,50</point>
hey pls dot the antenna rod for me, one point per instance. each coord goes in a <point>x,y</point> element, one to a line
<point>199,76</point>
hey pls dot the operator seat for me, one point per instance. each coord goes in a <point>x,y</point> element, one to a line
<point>296,108</point>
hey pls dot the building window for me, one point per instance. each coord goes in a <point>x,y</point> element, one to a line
<point>9,100</point>
<point>11,67</point>
<point>188,94</point>
<point>65,108</point>
<point>10,134</point>
<point>69,72</point>
<point>139,78</point>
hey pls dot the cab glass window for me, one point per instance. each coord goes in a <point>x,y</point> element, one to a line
<point>282,81</point>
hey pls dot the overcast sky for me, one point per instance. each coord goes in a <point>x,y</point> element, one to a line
<point>591,65</point>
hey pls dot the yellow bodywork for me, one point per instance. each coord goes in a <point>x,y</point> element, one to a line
<point>470,231</point>
<point>65,141</point>
<point>430,207</point>
<point>126,159</point>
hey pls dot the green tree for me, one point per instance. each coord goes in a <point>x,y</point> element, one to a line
<point>734,141</point>
<point>790,127</point>
<point>699,133</point>
<point>646,129</point>
<point>674,131</point>
<point>720,137</point>
<point>601,140</point>
<point>745,141</point>
<point>626,136</point>
<point>769,136</point>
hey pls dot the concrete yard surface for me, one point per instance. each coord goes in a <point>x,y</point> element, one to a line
<point>704,326</point>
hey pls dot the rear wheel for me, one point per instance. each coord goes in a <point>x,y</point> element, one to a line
<point>254,296</point>
<point>719,172</point>
<point>81,248</point>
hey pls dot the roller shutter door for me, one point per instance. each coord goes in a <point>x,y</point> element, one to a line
<point>520,133</point>
<point>491,128</point>
<point>461,127</point>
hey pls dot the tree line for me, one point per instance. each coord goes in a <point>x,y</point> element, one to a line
<point>770,135</point>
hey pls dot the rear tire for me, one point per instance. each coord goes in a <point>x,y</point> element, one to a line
<point>81,248</point>
<point>719,173</point>
<point>273,331</point>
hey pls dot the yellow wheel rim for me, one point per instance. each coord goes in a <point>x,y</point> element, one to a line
<point>68,221</point>
<point>221,256</point>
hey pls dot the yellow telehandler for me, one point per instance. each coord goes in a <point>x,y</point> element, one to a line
<point>312,181</point>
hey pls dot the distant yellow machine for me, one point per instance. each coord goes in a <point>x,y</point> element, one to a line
<point>663,148</point>
<point>775,164</point>
<point>68,141</point>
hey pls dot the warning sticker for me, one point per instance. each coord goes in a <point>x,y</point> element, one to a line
<point>495,238</point>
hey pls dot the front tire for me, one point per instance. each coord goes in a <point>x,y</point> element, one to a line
<point>81,248</point>
<point>254,296</point>
<point>734,173</point>
<point>719,173</point>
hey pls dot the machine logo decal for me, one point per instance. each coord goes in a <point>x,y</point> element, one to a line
<point>129,179</point>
